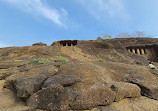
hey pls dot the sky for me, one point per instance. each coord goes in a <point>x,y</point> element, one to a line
<point>24,22</point>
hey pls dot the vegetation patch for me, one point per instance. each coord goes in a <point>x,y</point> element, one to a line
<point>101,60</point>
<point>61,59</point>
<point>17,60</point>
<point>40,61</point>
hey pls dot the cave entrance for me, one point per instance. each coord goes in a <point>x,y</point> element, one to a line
<point>148,51</point>
<point>68,43</point>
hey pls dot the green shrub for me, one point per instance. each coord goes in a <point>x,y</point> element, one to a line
<point>40,61</point>
<point>99,38</point>
<point>61,59</point>
<point>101,60</point>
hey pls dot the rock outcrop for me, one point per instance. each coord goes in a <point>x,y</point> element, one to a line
<point>122,82</point>
<point>39,44</point>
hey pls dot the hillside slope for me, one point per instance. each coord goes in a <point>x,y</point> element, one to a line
<point>110,75</point>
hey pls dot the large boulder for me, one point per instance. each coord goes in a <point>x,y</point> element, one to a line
<point>9,102</point>
<point>125,90</point>
<point>92,97</point>
<point>25,87</point>
<point>26,83</point>
<point>54,98</point>
<point>104,94</point>
<point>64,80</point>
<point>147,82</point>
<point>31,71</point>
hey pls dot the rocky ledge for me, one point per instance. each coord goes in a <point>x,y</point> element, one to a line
<point>90,76</point>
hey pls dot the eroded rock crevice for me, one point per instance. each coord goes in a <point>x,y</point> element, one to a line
<point>148,89</point>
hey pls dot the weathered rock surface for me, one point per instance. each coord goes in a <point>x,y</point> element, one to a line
<point>147,82</point>
<point>92,97</point>
<point>83,83</point>
<point>129,104</point>
<point>28,86</point>
<point>24,84</point>
<point>8,102</point>
<point>63,80</point>
<point>6,65</point>
<point>7,72</point>
<point>47,70</point>
<point>54,98</point>
<point>39,44</point>
<point>125,90</point>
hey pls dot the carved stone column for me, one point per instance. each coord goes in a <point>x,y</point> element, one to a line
<point>138,51</point>
<point>133,50</point>
<point>142,51</point>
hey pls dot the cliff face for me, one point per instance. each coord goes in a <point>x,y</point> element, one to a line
<point>109,75</point>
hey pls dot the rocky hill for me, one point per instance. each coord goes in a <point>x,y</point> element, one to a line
<point>72,75</point>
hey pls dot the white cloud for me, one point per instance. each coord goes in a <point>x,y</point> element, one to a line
<point>102,9</point>
<point>38,7</point>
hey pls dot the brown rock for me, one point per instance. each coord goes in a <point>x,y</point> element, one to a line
<point>54,98</point>
<point>6,65</point>
<point>125,90</point>
<point>84,82</point>
<point>64,80</point>
<point>48,70</point>
<point>39,44</point>
<point>92,97</point>
<point>147,82</point>
<point>25,87</point>
<point>29,73</point>
<point>8,102</point>
<point>7,72</point>
<point>129,104</point>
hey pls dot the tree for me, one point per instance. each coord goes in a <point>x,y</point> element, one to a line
<point>124,35</point>
<point>136,34</point>
<point>104,37</point>
<point>139,34</point>
<point>107,36</point>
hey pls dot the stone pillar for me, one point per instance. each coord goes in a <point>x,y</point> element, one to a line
<point>142,51</point>
<point>133,50</point>
<point>138,51</point>
<point>129,50</point>
<point>148,52</point>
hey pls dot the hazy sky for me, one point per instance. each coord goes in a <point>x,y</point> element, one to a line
<point>24,22</point>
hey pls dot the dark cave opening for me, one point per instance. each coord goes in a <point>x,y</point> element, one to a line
<point>148,51</point>
<point>68,43</point>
